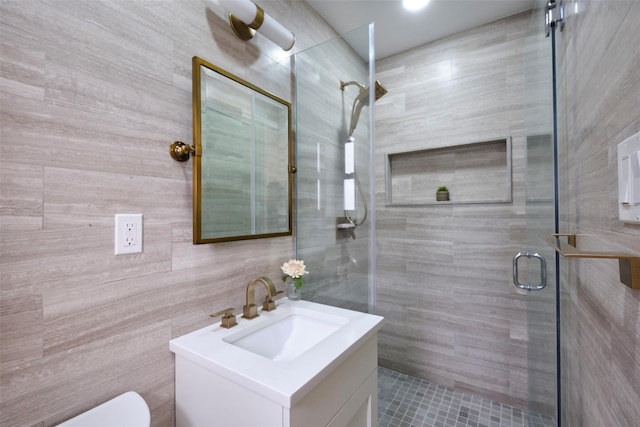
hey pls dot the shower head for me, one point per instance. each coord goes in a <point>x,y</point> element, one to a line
<point>361,100</point>
<point>363,96</point>
<point>380,91</point>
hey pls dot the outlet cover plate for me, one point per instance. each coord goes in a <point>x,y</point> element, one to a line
<point>128,234</point>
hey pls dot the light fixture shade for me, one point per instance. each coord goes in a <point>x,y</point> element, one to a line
<point>277,33</point>
<point>255,18</point>
<point>244,10</point>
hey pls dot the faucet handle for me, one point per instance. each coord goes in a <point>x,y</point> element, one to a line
<point>250,311</point>
<point>269,304</point>
<point>228,319</point>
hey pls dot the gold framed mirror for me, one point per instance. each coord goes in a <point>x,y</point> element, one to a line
<point>242,166</point>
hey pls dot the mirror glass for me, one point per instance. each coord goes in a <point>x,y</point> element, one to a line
<point>242,137</point>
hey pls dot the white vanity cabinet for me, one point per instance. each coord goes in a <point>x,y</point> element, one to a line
<point>347,396</point>
<point>323,372</point>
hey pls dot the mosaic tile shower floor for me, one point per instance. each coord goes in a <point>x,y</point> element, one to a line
<point>405,401</point>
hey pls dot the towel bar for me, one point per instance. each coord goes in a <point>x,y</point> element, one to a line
<point>629,264</point>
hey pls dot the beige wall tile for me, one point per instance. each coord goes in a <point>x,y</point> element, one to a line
<point>93,92</point>
<point>599,89</point>
<point>449,267</point>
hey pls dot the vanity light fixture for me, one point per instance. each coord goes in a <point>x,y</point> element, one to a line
<point>414,5</point>
<point>245,18</point>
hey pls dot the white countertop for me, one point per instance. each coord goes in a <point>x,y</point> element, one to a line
<point>284,382</point>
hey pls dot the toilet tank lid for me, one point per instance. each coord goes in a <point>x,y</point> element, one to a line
<point>127,410</point>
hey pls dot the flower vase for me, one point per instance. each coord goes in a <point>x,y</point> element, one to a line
<point>294,294</point>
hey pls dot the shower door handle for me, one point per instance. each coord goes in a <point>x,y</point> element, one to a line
<point>543,271</point>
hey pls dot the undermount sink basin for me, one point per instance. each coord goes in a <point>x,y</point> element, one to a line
<point>287,338</point>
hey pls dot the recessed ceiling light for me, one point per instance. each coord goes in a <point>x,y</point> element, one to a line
<point>414,5</point>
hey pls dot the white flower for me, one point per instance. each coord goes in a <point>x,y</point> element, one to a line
<point>295,269</point>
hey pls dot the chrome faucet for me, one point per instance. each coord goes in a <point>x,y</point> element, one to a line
<point>250,309</point>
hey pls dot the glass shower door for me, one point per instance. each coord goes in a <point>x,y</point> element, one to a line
<point>537,274</point>
<point>535,266</point>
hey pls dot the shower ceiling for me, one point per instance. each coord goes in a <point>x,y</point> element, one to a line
<point>398,30</point>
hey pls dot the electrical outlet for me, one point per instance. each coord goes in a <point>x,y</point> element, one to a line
<point>128,234</point>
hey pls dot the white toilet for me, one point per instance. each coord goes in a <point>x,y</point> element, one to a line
<point>127,410</point>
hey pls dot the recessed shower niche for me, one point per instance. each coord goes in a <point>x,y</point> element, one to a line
<point>478,172</point>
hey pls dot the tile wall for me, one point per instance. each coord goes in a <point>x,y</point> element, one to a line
<point>93,92</point>
<point>462,325</point>
<point>599,107</point>
<point>444,280</point>
<point>92,95</point>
